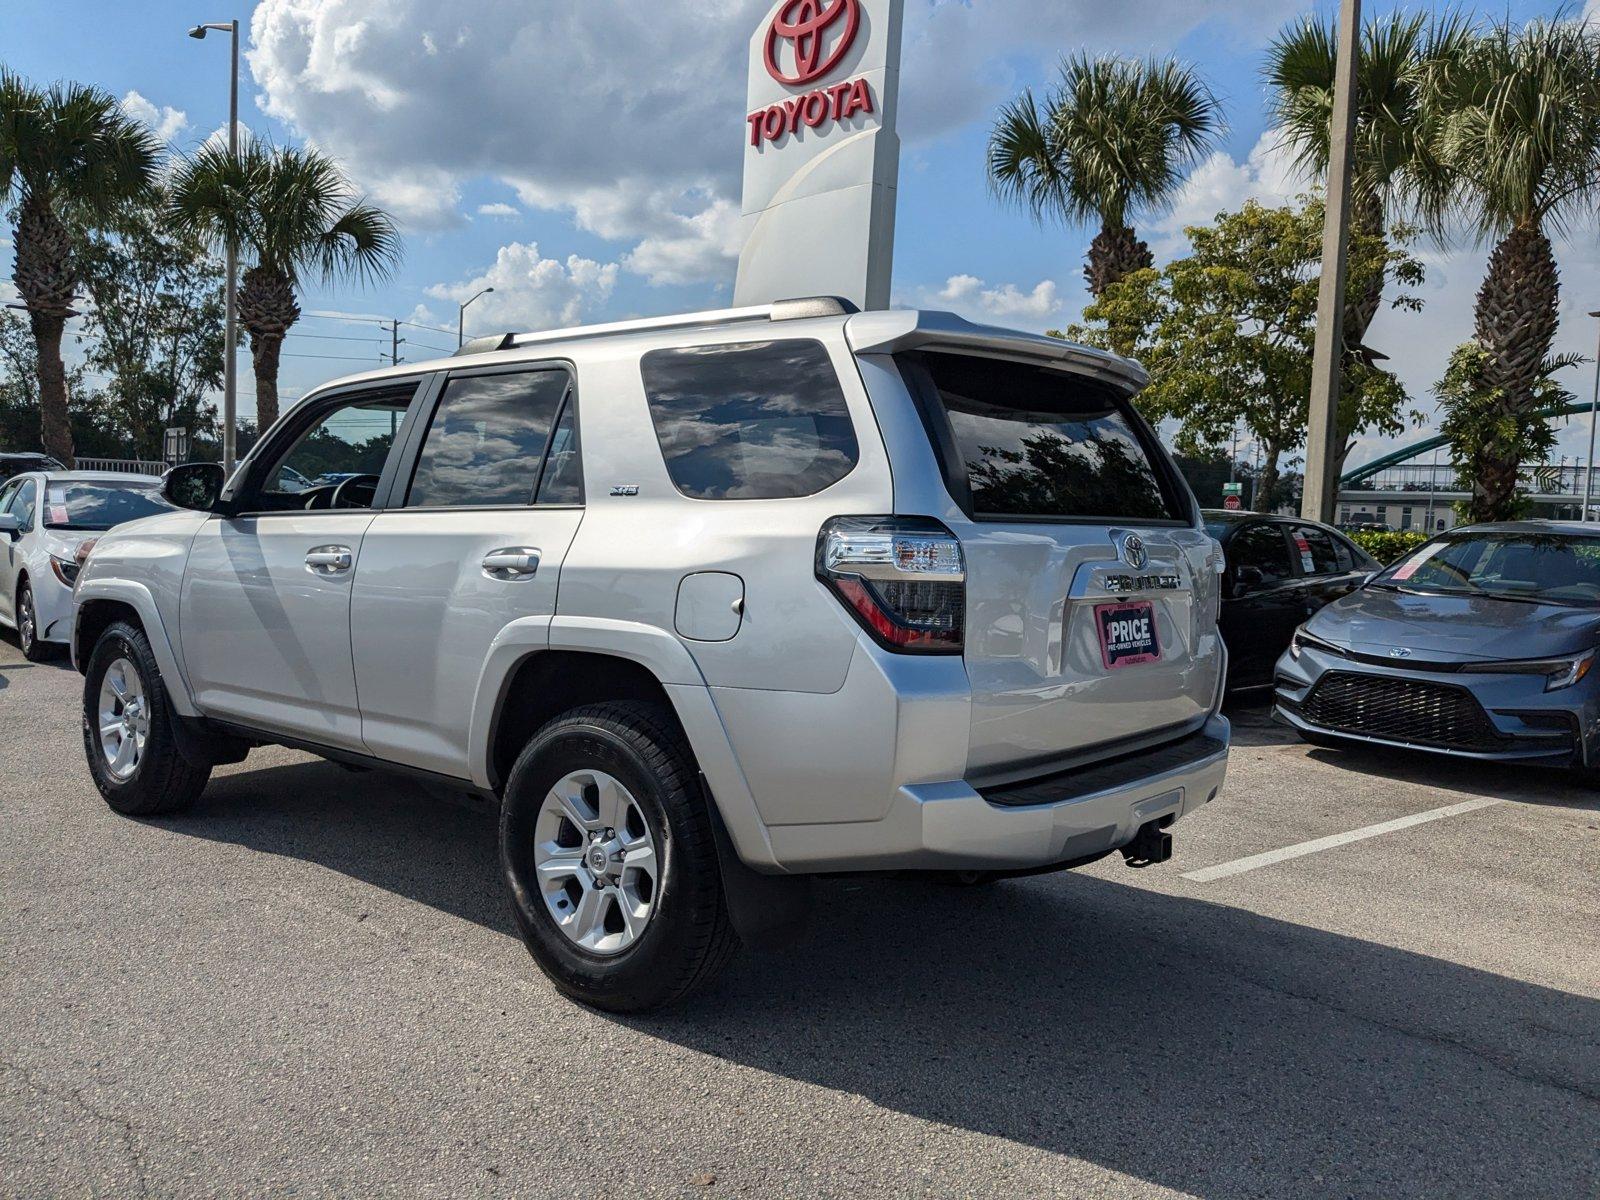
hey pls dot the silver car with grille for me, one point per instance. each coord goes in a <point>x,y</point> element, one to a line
<point>708,604</point>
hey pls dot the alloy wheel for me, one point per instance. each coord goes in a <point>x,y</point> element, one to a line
<point>596,863</point>
<point>124,719</point>
<point>26,622</point>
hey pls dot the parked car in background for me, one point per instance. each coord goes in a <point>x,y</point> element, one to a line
<point>1480,644</point>
<point>46,520</point>
<point>1280,571</point>
<point>13,464</point>
<point>708,604</point>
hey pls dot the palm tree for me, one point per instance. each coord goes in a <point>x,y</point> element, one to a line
<point>1395,172</point>
<point>1520,135</point>
<point>1113,143</point>
<point>67,154</point>
<point>292,213</point>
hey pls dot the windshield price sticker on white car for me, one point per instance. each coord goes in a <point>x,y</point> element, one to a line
<point>1127,634</point>
<point>1409,568</point>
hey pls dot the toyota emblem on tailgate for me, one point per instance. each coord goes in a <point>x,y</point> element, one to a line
<point>1133,551</point>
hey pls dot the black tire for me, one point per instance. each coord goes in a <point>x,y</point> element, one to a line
<point>34,648</point>
<point>689,937</point>
<point>163,780</point>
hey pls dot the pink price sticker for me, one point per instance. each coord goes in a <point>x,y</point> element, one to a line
<point>1409,568</point>
<point>58,515</point>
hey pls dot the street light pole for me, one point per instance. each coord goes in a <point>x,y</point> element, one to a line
<point>230,365</point>
<point>1321,484</point>
<point>1594,405</point>
<point>461,318</point>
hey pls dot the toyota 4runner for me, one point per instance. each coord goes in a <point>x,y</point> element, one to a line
<point>708,604</point>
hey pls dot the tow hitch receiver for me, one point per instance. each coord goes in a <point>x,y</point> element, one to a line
<point>1151,845</point>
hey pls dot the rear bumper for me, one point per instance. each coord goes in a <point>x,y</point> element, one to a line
<point>953,826</point>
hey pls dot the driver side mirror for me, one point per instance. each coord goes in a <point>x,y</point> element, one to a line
<point>11,524</point>
<point>196,486</point>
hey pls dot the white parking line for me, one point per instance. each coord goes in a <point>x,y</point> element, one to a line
<point>1240,865</point>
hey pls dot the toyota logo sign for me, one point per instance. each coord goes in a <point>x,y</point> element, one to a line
<point>819,33</point>
<point>1133,551</point>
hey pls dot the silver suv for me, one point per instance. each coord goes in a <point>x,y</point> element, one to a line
<point>708,604</point>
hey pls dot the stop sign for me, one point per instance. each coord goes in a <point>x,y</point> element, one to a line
<point>1232,503</point>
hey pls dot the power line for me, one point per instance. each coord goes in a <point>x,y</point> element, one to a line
<point>334,357</point>
<point>419,325</point>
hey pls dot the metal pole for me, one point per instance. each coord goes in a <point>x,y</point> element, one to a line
<point>230,365</point>
<point>1316,501</point>
<point>1594,405</point>
<point>1233,456</point>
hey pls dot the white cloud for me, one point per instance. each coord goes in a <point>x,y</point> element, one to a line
<point>532,292</point>
<point>165,122</point>
<point>499,209</point>
<point>1220,184</point>
<point>973,297</point>
<point>629,116</point>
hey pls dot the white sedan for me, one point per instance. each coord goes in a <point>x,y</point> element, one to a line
<point>48,520</point>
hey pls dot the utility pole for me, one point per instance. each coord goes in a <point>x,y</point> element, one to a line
<point>395,342</point>
<point>230,350</point>
<point>1594,410</point>
<point>1321,483</point>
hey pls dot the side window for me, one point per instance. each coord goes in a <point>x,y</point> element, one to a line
<point>7,494</point>
<point>487,440</point>
<point>1261,548</point>
<point>562,481</point>
<point>1317,554</point>
<point>753,421</point>
<point>26,501</point>
<point>353,438</point>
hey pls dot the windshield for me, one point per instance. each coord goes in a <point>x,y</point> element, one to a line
<point>1543,567</point>
<point>96,507</point>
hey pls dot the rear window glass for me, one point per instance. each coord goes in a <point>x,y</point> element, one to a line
<point>1035,442</point>
<point>487,440</point>
<point>753,421</point>
<point>99,506</point>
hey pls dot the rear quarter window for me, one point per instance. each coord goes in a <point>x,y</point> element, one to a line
<point>751,421</point>
<point>1035,442</point>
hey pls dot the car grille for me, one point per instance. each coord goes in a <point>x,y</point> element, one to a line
<point>1402,710</point>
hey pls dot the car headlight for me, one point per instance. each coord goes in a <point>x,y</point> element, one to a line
<point>67,568</point>
<point>1303,640</point>
<point>1558,672</point>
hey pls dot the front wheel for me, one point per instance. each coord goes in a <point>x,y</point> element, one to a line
<point>33,648</point>
<point>127,729</point>
<point>607,849</point>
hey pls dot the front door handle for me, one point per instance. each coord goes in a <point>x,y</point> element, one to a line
<point>513,562</point>
<point>329,560</point>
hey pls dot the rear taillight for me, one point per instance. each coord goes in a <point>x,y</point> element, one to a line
<point>903,578</point>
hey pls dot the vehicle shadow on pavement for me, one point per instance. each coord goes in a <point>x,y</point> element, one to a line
<point>1187,1043</point>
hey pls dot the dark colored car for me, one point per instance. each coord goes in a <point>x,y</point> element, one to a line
<point>1280,571</point>
<point>1479,644</point>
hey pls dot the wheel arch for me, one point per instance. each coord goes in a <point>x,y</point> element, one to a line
<point>100,603</point>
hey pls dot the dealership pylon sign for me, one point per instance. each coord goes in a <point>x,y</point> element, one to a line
<point>821,156</point>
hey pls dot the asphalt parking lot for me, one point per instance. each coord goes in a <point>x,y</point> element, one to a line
<point>310,985</point>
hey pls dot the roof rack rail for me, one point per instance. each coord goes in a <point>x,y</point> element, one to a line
<point>796,309</point>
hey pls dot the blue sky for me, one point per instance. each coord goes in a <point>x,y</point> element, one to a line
<point>583,156</point>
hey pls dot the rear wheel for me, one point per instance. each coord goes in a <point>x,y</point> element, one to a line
<point>607,849</point>
<point>128,734</point>
<point>33,649</point>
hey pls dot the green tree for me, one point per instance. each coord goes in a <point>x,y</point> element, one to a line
<point>67,152</point>
<point>1112,143</point>
<point>156,327</point>
<point>1519,132</point>
<point>93,429</point>
<point>1396,172</point>
<point>293,215</point>
<point>1485,431</point>
<point>1227,334</point>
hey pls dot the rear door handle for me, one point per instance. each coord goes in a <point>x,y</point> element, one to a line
<point>513,562</point>
<point>329,560</point>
